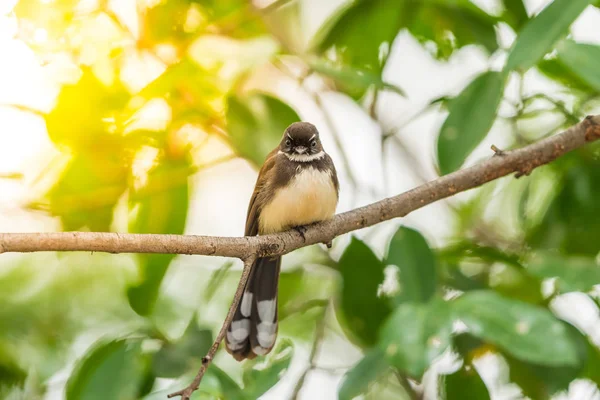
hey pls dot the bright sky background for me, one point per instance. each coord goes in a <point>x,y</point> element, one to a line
<point>221,193</point>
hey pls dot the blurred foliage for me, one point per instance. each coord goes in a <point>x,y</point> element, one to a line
<point>138,116</point>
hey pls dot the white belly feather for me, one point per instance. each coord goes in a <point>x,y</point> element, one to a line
<point>308,198</point>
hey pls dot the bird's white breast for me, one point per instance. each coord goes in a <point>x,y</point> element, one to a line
<point>309,197</point>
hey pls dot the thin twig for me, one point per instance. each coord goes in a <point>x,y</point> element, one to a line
<point>373,106</point>
<point>403,380</point>
<point>206,360</point>
<point>319,336</point>
<point>514,161</point>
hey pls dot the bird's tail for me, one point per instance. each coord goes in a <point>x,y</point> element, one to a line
<point>253,329</point>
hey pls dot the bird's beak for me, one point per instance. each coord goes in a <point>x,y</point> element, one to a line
<point>300,149</point>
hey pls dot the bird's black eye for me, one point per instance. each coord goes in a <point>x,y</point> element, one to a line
<point>288,142</point>
<point>313,143</point>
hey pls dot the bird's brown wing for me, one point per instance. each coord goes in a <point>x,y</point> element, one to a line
<point>259,196</point>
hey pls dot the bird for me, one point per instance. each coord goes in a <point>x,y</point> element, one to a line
<point>296,186</point>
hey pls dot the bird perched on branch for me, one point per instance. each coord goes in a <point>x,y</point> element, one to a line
<point>296,186</point>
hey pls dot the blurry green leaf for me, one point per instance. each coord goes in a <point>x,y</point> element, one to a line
<point>193,92</point>
<point>256,124</point>
<point>362,309</point>
<point>574,274</point>
<point>541,32</point>
<point>452,275</point>
<point>87,115</point>
<point>582,59</point>
<point>452,24</point>
<point>416,334</point>
<point>351,80</point>
<point>10,372</point>
<point>300,285</point>
<point>216,278</point>
<point>88,190</point>
<point>554,69</point>
<point>472,114</point>
<point>230,389</point>
<point>449,23</point>
<point>466,383</point>
<point>542,381</point>
<point>161,209</point>
<point>410,252</point>
<point>528,332</point>
<point>110,370</point>
<point>469,250</point>
<point>231,60</point>
<point>515,13</point>
<point>165,21</point>
<point>233,17</point>
<point>357,379</point>
<point>345,31</point>
<point>591,368</point>
<point>571,224</point>
<point>175,359</point>
<point>263,375</point>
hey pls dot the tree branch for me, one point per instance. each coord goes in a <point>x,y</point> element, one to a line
<point>521,161</point>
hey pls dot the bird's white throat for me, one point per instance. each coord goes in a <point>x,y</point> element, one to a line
<point>304,157</point>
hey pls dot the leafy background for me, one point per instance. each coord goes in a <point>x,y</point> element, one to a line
<point>154,116</point>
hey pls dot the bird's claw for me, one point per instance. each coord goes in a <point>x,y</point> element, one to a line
<point>301,230</point>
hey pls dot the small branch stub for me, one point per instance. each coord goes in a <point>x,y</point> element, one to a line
<point>497,151</point>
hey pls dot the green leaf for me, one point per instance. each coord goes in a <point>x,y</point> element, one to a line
<point>259,377</point>
<point>472,114</point>
<point>345,32</point>
<point>87,124</point>
<point>416,334</point>
<point>229,388</point>
<point>452,24</point>
<point>457,23</point>
<point>88,189</point>
<point>466,383</point>
<point>582,59</point>
<point>256,124</point>
<point>515,13</point>
<point>410,252</point>
<point>542,32</point>
<point>362,309</point>
<point>165,22</point>
<point>556,70</point>
<point>541,381</point>
<point>191,89</point>
<point>527,332</point>
<point>357,379</point>
<point>162,207</point>
<point>110,370</point>
<point>570,224</point>
<point>574,274</point>
<point>175,359</point>
<point>351,80</point>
